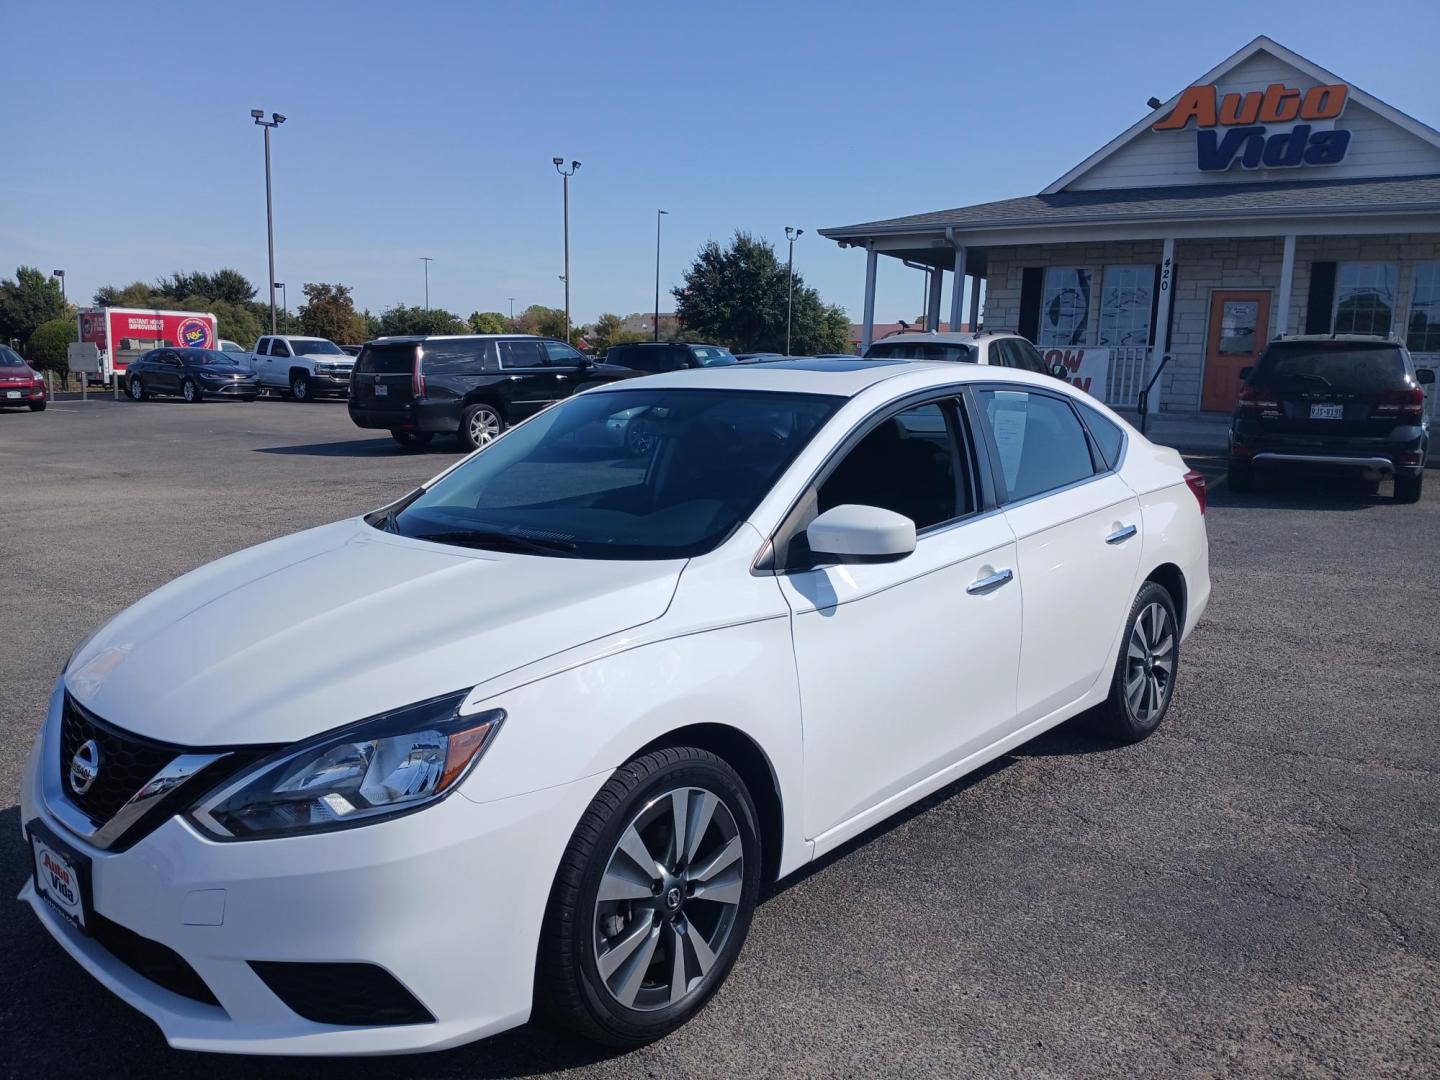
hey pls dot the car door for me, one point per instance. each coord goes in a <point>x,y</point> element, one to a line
<point>167,370</point>
<point>278,363</point>
<point>261,362</point>
<point>567,367</point>
<point>905,667</point>
<point>528,384</point>
<point>1077,528</point>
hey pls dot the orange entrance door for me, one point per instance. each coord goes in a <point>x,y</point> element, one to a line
<point>1239,328</point>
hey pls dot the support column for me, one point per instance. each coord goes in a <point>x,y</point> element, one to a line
<point>1161,329</point>
<point>975,281</point>
<point>957,294</point>
<point>932,305</point>
<point>1287,284</point>
<point>867,332</point>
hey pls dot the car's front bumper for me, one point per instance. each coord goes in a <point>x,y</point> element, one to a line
<point>448,900</point>
<point>244,389</point>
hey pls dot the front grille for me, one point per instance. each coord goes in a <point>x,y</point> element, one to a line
<point>160,964</point>
<point>127,762</point>
<point>353,995</point>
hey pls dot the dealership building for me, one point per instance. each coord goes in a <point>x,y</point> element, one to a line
<point>1268,197</point>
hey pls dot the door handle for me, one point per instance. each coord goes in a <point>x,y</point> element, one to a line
<point>989,584</point>
<point>562,376</point>
<point>1121,535</point>
<point>514,378</point>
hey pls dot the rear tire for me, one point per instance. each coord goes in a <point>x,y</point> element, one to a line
<point>413,440</point>
<point>1242,476</point>
<point>607,968</point>
<point>1144,681</point>
<point>480,425</point>
<point>1407,488</point>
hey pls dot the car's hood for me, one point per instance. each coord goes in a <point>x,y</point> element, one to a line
<point>223,369</point>
<point>327,627</point>
<point>330,358</point>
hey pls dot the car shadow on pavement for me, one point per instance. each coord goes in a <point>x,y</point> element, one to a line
<point>351,448</point>
<point>1288,492</point>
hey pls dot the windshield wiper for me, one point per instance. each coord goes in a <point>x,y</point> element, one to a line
<point>1308,375</point>
<point>485,538</point>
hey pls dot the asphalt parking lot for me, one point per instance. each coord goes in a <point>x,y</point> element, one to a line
<point>1254,891</point>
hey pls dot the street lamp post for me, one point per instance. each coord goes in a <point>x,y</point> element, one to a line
<point>658,214</point>
<point>61,275</point>
<point>284,303</point>
<point>512,309</point>
<point>427,260</point>
<point>559,164</point>
<point>791,234</point>
<point>258,115</point>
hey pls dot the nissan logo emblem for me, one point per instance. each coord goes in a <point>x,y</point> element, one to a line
<point>84,767</point>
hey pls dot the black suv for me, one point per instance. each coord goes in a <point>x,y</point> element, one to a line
<point>472,387</point>
<point>653,357</point>
<point>1344,402</point>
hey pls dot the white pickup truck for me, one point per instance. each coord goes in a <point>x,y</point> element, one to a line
<point>303,367</point>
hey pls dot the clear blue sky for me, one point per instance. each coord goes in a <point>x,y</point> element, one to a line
<point>427,128</point>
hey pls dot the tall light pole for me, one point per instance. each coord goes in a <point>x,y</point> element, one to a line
<point>61,275</point>
<point>258,115</point>
<point>658,214</point>
<point>284,303</point>
<point>512,309</point>
<point>792,234</point>
<point>427,260</point>
<point>559,164</point>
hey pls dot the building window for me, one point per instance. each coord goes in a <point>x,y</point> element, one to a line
<point>1125,304</point>
<point>1365,298</point>
<point>1424,333</point>
<point>1065,307</point>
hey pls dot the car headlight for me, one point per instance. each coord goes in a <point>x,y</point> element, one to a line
<point>388,765</point>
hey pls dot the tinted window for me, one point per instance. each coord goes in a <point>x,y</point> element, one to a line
<point>10,358</point>
<point>263,347</point>
<point>561,355</point>
<point>907,464</point>
<point>921,350</point>
<point>1041,443</point>
<point>279,348</point>
<point>521,354</point>
<point>651,358</point>
<point>573,482</point>
<point>711,355</point>
<point>1327,365</point>
<point>194,357</point>
<point>1107,434</point>
<point>458,357</point>
<point>387,359</point>
<point>1028,357</point>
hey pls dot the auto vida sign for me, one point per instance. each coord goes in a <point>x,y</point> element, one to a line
<point>1280,127</point>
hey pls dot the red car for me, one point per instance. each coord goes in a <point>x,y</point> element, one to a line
<point>20,384</point>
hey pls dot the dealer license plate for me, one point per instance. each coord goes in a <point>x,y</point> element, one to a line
<point>61,876</point>
<point>12,393</point>
<point>381,391</point>
<point>1327,412</point>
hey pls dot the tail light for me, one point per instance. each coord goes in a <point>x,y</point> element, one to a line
<point>1407,402</point>
<point>1257,402</point>
<point>417,376</point>
<point>1195,481</point>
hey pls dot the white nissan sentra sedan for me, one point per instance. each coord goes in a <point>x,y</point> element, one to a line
<point>534,736</point>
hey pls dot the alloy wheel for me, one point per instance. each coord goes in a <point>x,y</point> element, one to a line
<point>300,388</point>
<point>137,392</point>
<point>669,898</point>
<point>484,426</point>
<point>1149,663</point>
<point>189,390</point>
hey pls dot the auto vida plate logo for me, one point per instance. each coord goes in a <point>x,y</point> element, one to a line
<point>84,767</point>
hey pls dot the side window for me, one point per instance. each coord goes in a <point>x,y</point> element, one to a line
<point>907,464</point>
<point>1107,434</point>
<point>458,357</point>
<point>1040,441</point>
<point>561,355</point>
<point>1001,354</point>
<point>521,353</point>
<point>279,348</point>
<point>1028,357</point>
<point>262,348</point>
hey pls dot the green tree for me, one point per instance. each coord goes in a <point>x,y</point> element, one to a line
<point>542,320</point>
<point>736,296</point>
<point>610,330</point>
<point>488,322</point>
<point>329,312</point>
<point>226,285</point>
<point>137,294</point>
<point>48,347</point>
<point>399,320</point>
<point>28,301</point>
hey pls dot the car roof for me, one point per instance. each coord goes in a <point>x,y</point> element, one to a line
<point>959,339</point>
<point>401,339</point>
<point>1359,339</point>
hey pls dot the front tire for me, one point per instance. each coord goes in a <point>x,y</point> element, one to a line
<point>1408,488</point>
<point>480,425</point>
<point>137,389</point>
<point>190,392</point>
<point>653,898</point>
<point>1144,681</point>
<point>38,406</point>
<point>300,388</point>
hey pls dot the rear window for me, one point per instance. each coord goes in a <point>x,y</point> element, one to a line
<point>457,357</point>
<point>712,356</point>
<point>648,358</point>
<point>921,350</point>
<point>387,359</point>
<point>1334,365</point>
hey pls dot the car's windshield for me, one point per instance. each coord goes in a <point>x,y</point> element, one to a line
<point>207,356</point>
<point>921,350</point>
<point>1334,365</point>
<point>8,358</point>
<point>622,474</point>
<point>712,355</point>
<point>311,346</point>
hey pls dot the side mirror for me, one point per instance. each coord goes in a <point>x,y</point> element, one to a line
<point>1245,372</point>
<point>1425,376</point>
<point>1060,371</point>
<point>860,534</point>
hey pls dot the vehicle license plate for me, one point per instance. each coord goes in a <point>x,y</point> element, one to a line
<point>1327,412</point>
<point>381,391</point>
<point>12,393</point>
<point>61,876</point>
